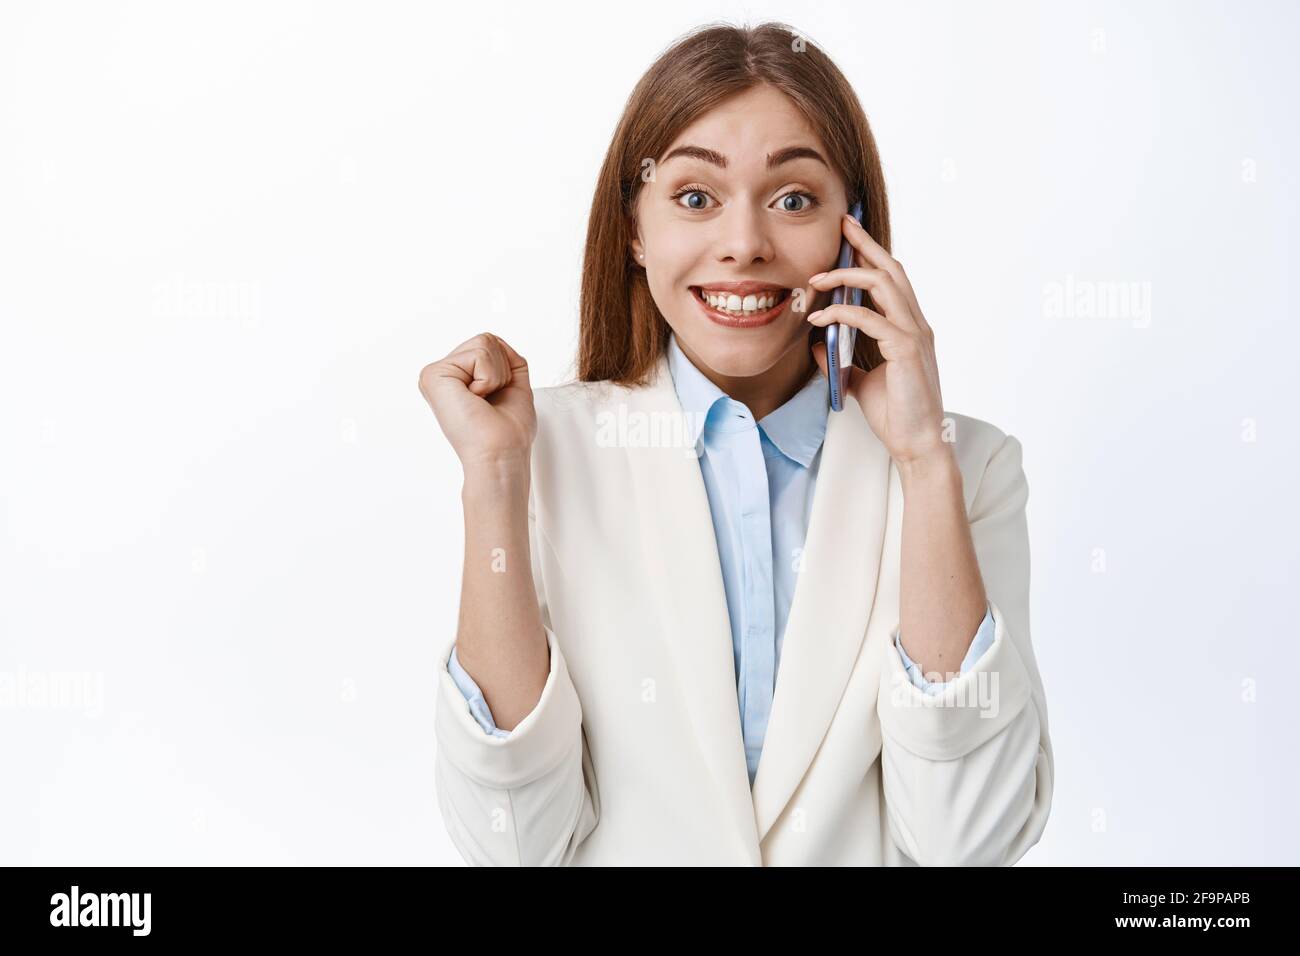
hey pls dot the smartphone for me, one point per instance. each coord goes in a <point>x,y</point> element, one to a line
<point>841,338</point>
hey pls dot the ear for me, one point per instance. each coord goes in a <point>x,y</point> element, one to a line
<point>636,248</point>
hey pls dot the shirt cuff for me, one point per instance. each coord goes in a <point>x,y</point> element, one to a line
<point>983,640</point>
<point>478,707</point>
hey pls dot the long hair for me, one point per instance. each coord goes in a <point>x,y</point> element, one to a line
<point>622,333</point>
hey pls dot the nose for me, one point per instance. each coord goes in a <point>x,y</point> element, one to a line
<point>743,237</point>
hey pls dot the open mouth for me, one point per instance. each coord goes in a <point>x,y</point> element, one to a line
<point>733,309</point>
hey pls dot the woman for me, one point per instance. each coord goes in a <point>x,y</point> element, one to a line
<point>648,685</point>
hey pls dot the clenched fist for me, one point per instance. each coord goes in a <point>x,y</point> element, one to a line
<point>483,401</point>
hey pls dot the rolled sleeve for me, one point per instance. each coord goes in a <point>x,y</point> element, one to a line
<point>478,707</point>
<point>982,641</point>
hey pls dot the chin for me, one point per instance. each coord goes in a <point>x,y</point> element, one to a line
<point>743,353</point>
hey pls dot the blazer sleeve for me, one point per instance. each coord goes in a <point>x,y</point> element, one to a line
<point>526,797</point>
<point>968,773</point>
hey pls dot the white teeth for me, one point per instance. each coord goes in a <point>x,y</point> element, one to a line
<point>734,303</point>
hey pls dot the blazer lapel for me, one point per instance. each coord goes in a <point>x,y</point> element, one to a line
<point>686,574</point>
<point>832,603</point>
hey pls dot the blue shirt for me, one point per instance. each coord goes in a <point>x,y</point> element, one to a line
<point>760,478</point>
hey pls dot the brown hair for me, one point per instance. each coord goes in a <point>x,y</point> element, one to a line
<point>622,334</point>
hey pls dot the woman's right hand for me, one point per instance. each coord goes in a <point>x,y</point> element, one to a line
<point>483,401</point>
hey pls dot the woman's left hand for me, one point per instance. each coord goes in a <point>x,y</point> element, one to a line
<point>900,397</point>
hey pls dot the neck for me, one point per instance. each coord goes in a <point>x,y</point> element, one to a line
<point>764,393</point>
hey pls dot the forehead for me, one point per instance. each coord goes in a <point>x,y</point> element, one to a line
<point>749,125</point>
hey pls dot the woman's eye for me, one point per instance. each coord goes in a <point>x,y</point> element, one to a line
<point>695,198</point>
<point>792,202</point>
<point>798,202</point>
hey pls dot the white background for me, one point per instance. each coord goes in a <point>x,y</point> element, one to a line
<point>232,234</point>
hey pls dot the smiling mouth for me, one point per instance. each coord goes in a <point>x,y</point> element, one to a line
<point>742,307</point>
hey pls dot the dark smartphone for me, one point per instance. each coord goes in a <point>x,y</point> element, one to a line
<point>841,338</point>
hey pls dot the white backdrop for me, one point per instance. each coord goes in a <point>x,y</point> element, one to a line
<point>232,234</point>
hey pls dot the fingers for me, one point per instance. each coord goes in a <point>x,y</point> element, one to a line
<point>515,362</point>
<point>875,256</point>
<point>482,364</point>
<point>860,317</point>
<point>881,286</point>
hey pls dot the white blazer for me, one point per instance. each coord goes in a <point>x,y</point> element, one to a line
<point>633,754</point>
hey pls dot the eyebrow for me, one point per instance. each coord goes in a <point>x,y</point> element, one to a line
<point>789,154</point>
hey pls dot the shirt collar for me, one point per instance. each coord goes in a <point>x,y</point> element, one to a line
<point>797,428</point>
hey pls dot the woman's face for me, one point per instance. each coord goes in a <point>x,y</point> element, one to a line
<point>744,204</point>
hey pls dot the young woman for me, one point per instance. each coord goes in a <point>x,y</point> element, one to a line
<point>704,619</point>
